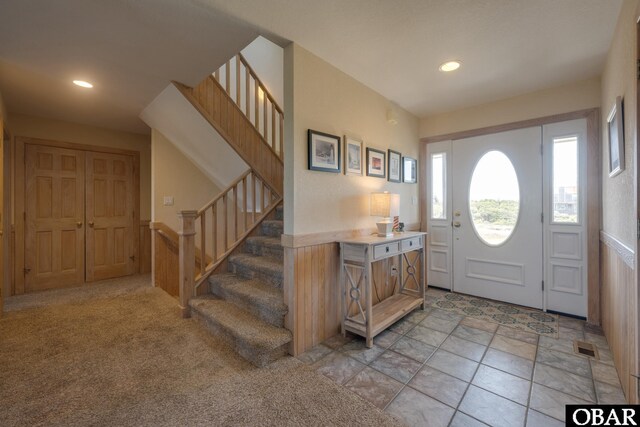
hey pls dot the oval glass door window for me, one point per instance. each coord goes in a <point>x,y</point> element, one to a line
<point>494,198</point>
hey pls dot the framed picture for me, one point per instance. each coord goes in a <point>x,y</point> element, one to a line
<point>352,156</point>
<point>376,163</point>
<point>410,170</point>
<point>395,166</point>
<point>615,131</point>
<point>324,152</point>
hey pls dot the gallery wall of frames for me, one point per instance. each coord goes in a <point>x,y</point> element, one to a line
<point>326,155</point>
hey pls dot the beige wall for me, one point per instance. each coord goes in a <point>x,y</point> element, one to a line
<point>564,99</point>
<point>320,97</point>
<point>36,127</point>
<point>173,174</point>
<point>618,79</point>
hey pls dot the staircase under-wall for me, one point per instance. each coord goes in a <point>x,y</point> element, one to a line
<point>245,307</point>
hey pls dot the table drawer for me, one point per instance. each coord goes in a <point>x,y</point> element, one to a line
<point>411,244</point>
<point>385,250</point>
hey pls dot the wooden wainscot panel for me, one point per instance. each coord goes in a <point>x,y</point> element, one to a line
<point>312,294</point>
<point>618,311</point>
<point>312,291</point>
<point>165,259</point>
<point>145,247</point>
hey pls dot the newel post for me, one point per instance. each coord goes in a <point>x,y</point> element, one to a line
<point>187,259</point>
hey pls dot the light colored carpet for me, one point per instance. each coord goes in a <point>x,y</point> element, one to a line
<point>117,353</point>
<point>514,316</point>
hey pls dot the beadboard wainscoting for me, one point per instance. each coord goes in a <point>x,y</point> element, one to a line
<point>145,247</point>
<point>312,287</point>
<point>619,310</point>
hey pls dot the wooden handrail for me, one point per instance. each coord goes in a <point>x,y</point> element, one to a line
<point>252,148</point>
<point>273,139</point>
<point>262,85</point>
<point>219,196</point>
<point>226,209</point>
<point>173,238</point>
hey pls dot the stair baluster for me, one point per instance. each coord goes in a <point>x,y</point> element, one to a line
<point>209,258</point>
<point>270,125</point>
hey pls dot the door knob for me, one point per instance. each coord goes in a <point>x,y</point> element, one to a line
<point>91,224</point>
<point>456,224</point>
<point>79,224</point>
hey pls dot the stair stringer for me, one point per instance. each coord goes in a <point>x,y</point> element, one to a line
<point>220,110</point>
<point>175,117</point>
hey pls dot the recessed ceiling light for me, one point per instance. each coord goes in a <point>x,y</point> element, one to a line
<point>449,66</point>
<point>82,83</point>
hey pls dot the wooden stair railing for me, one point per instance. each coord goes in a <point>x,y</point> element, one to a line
<point>220,226</point>
<point>241,109</point>
<point>257,104</point>
<point>166,254</point>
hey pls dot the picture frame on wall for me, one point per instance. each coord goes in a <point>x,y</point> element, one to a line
<point>376,163</point>
<point>615,132</point>
<point>394,169</point>
<point>324,152</point>
<point>353,156</point>
<point>409,170</point>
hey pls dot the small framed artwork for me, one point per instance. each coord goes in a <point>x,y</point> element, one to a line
<point>615,131</point>
<point>376,163</point>
<point>352,156</point>
<point>324,152</point>
<point>410,170</point>
<point>394,169</point>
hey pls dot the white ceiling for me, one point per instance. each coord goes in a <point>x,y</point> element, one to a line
<point>507,47</point>
<point>131,49</point>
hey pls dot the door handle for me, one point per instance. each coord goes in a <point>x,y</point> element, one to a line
<point>90,224</point>
<point>79,224</point>
<point>456,224</point>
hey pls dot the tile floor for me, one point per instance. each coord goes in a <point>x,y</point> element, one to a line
<point>437,368</point>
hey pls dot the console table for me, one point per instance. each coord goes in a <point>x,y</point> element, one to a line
<point>358,255</point>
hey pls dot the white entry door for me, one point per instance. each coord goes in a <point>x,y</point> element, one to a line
<point>497,216</point>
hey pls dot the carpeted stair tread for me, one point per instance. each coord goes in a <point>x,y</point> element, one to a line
<point>250,266</point>
<point>280,212</point>
<point>251,337</point>
<point>272,227</point>
<point>265,246</point>
<point>269,241</point>
<point>261,300</point>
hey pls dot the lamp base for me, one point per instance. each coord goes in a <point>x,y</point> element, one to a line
<point>385,229</point>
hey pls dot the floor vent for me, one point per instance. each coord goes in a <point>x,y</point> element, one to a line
<point>586,349</point>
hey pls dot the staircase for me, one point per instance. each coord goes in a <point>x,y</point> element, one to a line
<point>246,305</point>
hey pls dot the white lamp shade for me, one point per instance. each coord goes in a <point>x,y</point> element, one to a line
<point>385,204</point>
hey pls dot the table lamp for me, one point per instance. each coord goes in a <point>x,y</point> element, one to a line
<point>385,205</point>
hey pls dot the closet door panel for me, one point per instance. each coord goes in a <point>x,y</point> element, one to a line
<point>54,217</point>
<point>110,216</point>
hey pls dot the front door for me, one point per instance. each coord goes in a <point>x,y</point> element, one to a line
<point>54,217</point>
<point>497,216</point>
<point>110,216</point>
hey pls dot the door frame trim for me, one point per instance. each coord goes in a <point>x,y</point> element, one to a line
<point>19,196</point>
<point>594,193</point>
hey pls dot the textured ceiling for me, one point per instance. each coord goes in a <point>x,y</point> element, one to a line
<point>131,49</point>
